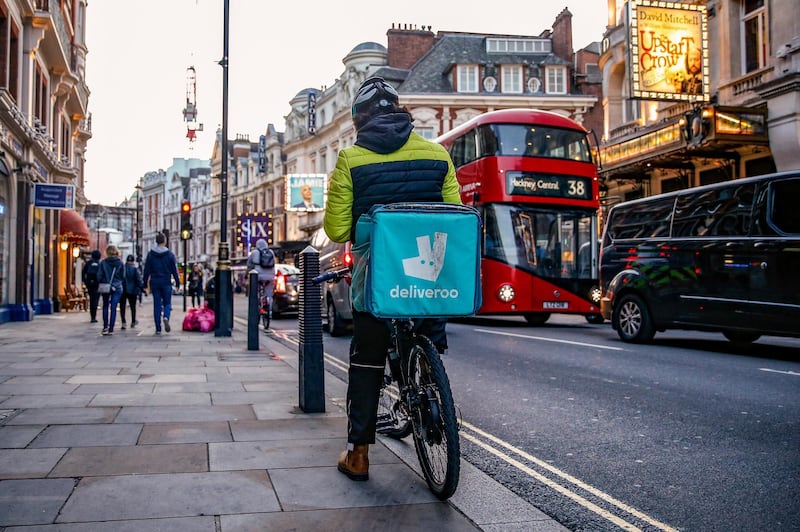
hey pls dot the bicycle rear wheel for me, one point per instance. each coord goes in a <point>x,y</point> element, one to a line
<point>393,418</point>
<point>434,419</point>
<point>266,314</point>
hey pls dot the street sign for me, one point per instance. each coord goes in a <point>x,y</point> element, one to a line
<point>52,196</point>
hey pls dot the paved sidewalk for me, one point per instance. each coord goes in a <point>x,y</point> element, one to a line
<point>190,432</point>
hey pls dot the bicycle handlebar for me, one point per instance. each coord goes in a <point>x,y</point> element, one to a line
<point>336,275</point>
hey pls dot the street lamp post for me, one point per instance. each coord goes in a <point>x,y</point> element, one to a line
<point>224,318</point>
<point>138,250</point>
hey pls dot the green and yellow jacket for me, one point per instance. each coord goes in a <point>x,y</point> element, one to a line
<point>389,163</point>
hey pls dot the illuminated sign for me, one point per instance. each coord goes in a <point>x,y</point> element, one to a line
<point>252,226</point>
<point>551,185</point>
<point>305,192</point>
<point>669,51</point>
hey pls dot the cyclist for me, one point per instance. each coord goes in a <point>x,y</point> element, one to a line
<point>388,163</point>
<point>262,259</point>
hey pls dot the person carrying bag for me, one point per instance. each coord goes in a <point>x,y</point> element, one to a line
<point>110,279</point>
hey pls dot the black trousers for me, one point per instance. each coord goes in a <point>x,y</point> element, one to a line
<point>94,302</point>
<point>129,299</point>
<point>368,350</point>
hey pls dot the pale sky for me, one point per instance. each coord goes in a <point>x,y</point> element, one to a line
<point>139,53</point>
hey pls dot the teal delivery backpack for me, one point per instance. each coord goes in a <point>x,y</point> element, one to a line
<point>417,260</point>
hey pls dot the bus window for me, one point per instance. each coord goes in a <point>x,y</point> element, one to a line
<point>541,141</point>
<point>548,243</point>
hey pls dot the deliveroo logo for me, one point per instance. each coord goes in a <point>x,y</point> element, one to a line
<point>428,264</point>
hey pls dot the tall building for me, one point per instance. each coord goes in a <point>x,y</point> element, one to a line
<point>698,92</point>
<point>44,129</point>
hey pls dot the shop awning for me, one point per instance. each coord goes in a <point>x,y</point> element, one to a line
<point>73,227</point>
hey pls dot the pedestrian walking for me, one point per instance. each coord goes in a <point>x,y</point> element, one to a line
<point>160,268</point>
<point>132,288</point>
<point>110,287</point>
<point>196,285</point>
<point>89,278</point>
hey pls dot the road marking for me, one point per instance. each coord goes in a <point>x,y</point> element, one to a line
<point>582,501</point>
<point>565,476</point>
<point>780,371</point>
<point>543,339</point>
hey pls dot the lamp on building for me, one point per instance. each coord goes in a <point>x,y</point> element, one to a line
<point>76,252</point>
<point>64,245</point>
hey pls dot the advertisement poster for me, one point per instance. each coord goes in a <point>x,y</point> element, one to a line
<point>251,226</point>
<point>669,49</point>
<point>305,192</point>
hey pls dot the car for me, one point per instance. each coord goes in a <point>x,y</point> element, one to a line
<point>337,310</point>
<point>286,292</point>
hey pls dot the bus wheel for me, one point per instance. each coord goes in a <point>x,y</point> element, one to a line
<point>633,320</point>
<point>595,319</point>
<point>741,338</point>
<point>537,318</point>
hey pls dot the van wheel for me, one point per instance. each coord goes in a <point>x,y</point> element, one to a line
<point>335,325</point>
<point>632,319</point>
<point>741,338</point>
<point>594,319</point>
<point>537,318</point>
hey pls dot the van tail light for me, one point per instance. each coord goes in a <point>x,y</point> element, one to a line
<point>280,282</point>
<point>348,259</point>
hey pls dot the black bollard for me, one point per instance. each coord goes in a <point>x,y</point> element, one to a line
<point>252,311</point>
<point>312,370</point>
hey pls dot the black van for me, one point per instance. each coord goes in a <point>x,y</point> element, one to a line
<point>722,257</point>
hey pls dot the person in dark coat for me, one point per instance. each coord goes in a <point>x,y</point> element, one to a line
<point>160,268</point>
<point>89,278</point>
<point>196,285</point>
<point>131,288</point>
<point>111,271</point>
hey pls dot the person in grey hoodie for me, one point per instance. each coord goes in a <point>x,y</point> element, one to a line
<point>160,268</point>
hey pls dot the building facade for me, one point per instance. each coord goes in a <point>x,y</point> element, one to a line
<point>745,122</point>
<point>44,129</point>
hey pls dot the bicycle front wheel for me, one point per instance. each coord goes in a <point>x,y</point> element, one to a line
<point>434,419</point>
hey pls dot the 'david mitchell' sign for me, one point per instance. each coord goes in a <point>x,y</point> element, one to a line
<point>669,51</point>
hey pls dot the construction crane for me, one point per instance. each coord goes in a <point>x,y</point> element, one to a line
<point>190,111</point>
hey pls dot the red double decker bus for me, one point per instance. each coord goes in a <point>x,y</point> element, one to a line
<point>531,175</point>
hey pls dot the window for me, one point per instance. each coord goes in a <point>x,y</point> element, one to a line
<point>511,79</point>
<point>754,35</point>
<point>556,81</point>
<point>467,78</point>
<point>784,213</point>
<point>426,132</point>
<point>718,212</point>
<point>519,46</point>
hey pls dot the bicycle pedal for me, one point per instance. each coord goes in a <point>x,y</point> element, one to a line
<point>384,422</point>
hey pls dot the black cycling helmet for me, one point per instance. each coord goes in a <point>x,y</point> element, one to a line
<point>374,96</point>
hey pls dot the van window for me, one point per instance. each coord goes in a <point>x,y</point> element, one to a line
<point>785,213</point>
<point>641,220</point>
<point>721,211</point>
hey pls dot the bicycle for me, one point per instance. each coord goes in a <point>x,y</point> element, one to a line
<point>416,399</point>
<point>265,306</point>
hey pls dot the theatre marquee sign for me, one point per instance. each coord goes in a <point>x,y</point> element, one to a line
<point>669,51</point>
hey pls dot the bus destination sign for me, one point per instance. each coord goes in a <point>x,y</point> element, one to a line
<point>550,185</point>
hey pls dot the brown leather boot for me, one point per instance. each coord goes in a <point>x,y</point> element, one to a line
<point>355,463</point>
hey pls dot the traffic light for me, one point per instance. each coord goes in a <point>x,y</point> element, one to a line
<point>186,223</point>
